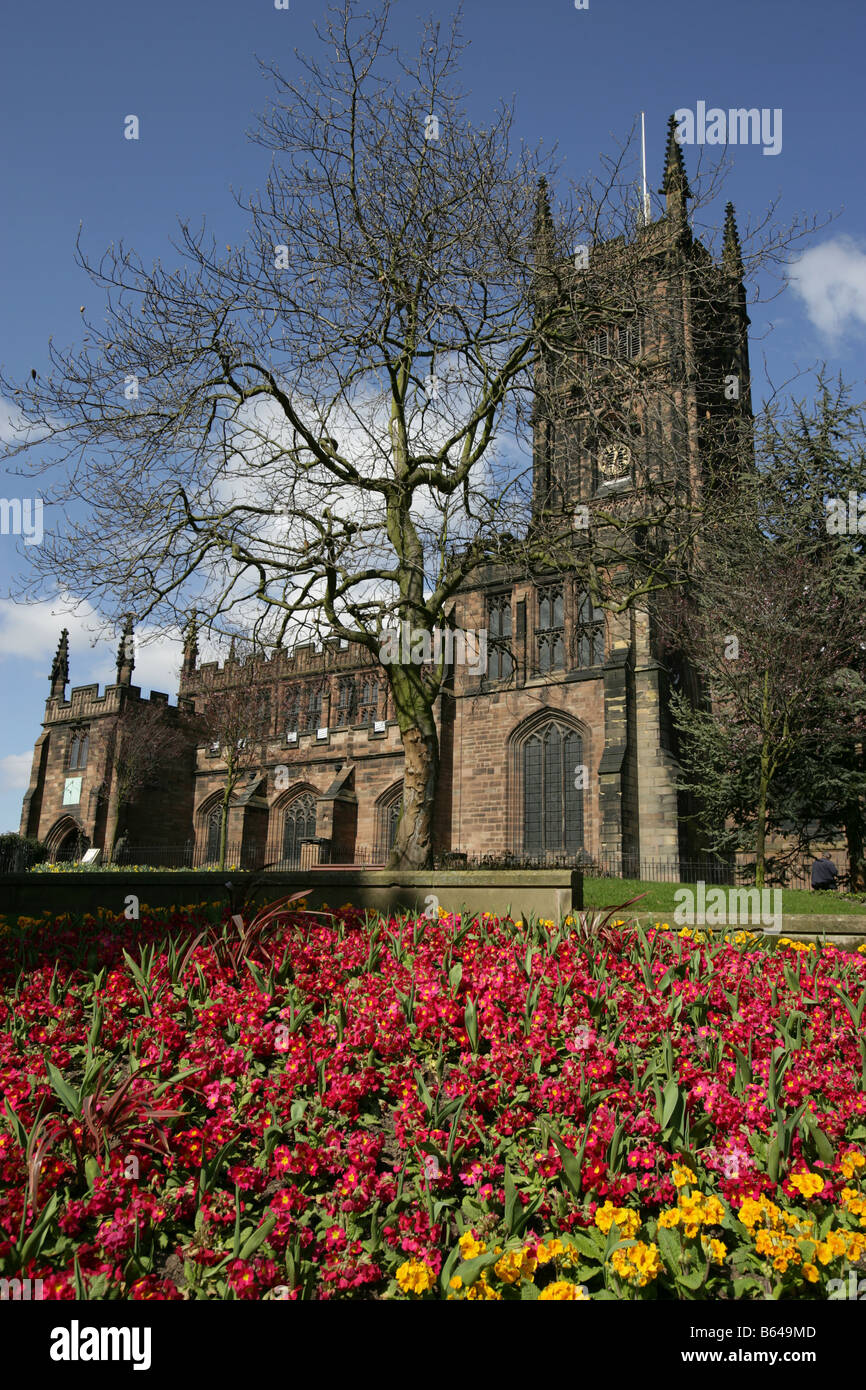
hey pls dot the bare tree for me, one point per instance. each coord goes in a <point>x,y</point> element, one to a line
<point>147,739</point>
<point>233,715</point>
<point>326,432</point>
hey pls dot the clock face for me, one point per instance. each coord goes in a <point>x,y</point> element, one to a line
<point>614,460</point>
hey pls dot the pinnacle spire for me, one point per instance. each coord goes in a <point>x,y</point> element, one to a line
<point>542,230</point>
<point>126,653</point>
<point>675,179</point>
<point>190,643</point>
<point>60,667</point>
<point>732,258</point>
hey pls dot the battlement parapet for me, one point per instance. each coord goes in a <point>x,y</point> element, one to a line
<point>304,660</point>
<point>85,702</point>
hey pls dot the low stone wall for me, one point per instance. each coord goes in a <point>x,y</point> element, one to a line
<point>542,892</point>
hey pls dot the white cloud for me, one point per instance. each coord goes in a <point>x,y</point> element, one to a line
<point>14,428</point>
<point>831,281</point>
<point>15,771</point>
<point>31,631</point>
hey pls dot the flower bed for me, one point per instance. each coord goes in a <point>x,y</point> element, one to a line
<point>328,1106</point>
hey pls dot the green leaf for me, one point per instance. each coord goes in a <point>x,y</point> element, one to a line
<point>510,1201</point>
<point>448,1269</point>
<point>773,1159</point>
<point>670,1099</point>
<point>62,1089</point>
<point>469,1270</point>
<point>571,1165</point>
<point>670,1248</point>
<point>592,1249</point>
<point>258,1237</point>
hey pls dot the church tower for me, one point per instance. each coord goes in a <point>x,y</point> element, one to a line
<point>652,392</point>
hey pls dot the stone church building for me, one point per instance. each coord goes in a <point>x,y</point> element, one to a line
<point>562,747</point>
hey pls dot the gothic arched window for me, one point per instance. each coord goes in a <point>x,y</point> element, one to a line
<point>389,816</point>
<point>549,629</point>
<point>299,823</point>
<point>500,662</point>
<point>78,750</point>
<point>553,777</point>
<point>589,634</point>
<point>368,710</point>
<point>214,827</point>
<point>347,701</point>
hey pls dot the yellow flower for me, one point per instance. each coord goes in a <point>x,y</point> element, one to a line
<point>516,1265</point>
<point>716,1249</point>
<point>811,1273</point>
<point>470,1247</point>
<point>627,1221</point>
<point>547,1252</point>
<point>669,1218</point>
<point>807,1184</point>
<point>852,1160</point>
<point>481,1289</point>
<point>562,1291</point>
<point>638,1263</point>
<point>682,1175</point>
<point>415,1277</point>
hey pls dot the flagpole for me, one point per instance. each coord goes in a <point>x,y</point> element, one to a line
<point>646,201</point>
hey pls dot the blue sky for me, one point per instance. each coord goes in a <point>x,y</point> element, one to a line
<point>70,74</point>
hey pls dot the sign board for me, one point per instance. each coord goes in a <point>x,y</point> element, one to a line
<point>72,791</point>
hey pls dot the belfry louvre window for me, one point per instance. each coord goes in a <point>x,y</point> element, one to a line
<point>589,635</point>
<point>623,341</point>
<point>552,799</point>
<point>347,702</point>
<point>549,629</point>
<point>500,662</point>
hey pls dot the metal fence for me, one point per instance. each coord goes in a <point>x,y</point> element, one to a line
<point>274,857</point>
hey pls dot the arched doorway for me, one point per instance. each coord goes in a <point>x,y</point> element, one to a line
<point>64,839</point>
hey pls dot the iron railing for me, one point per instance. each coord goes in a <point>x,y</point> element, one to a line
<point>277,857</point>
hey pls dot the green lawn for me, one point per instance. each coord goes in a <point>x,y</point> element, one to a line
<point>611,892</point>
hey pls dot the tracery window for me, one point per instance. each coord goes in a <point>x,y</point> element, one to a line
<point>500,660</point>
<point>78,747</point>
<point>299,824</point>
<point>550,629</point>
<point>589,634</point>
<point>553,778</point>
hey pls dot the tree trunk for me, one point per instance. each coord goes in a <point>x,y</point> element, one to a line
<point>224,826</point>
<point>413,842</point>
<point>853,818</point>
<point>115,798</point>
<point>761,826</point>
<point>113,820</point>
